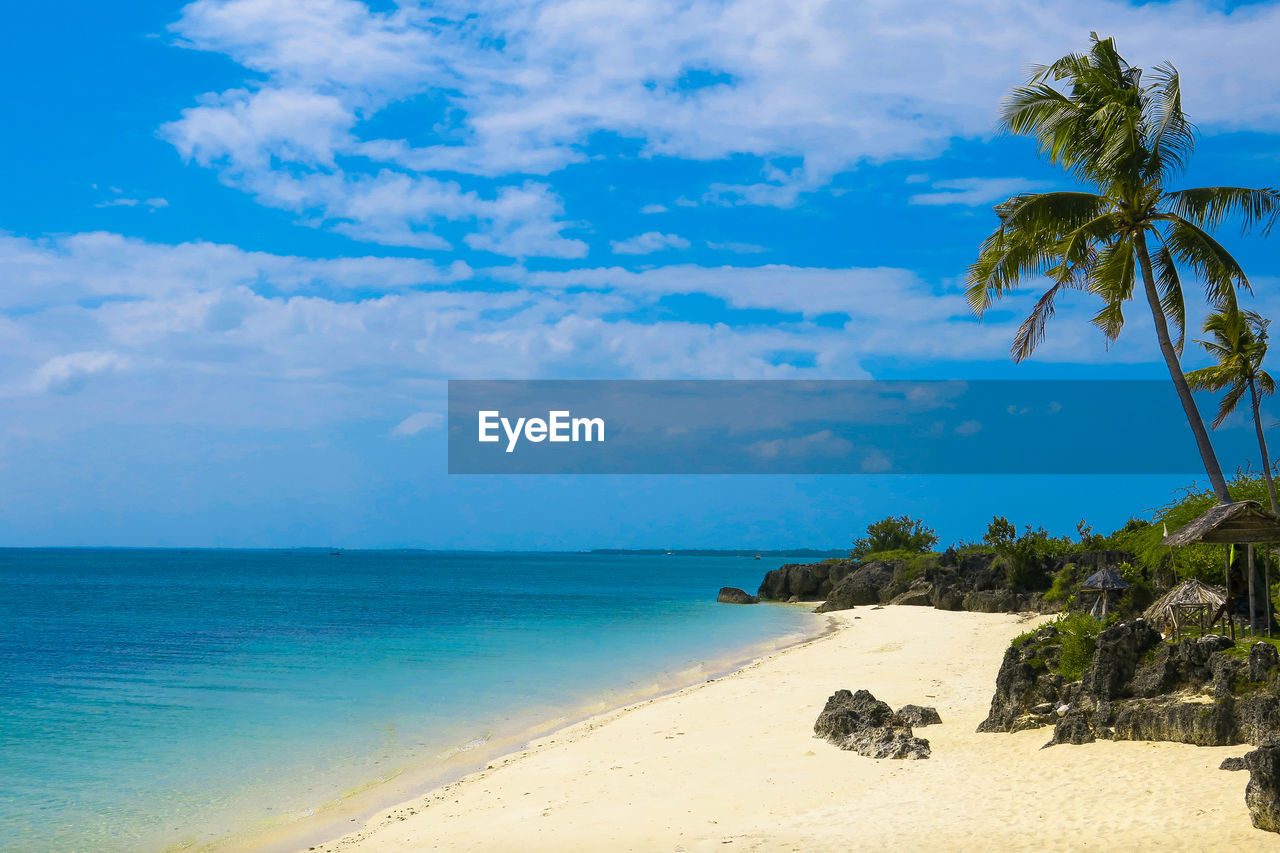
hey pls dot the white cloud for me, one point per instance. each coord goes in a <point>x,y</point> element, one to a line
<point>823,443</point>
<point>417,423</point>
<point>648,243</point>
<point>968,428</point>
<point>152,203</point>
<point>526,87</point>
<point>879,294</point>
<point>103,265</point>
<point>653,208</point>
<point>737,248</point>
<point>224,336</point>
<point>66,374</point>
<point>876,462</point>
<point>976,192</point>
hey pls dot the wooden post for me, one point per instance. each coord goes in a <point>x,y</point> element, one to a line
<point>1231,622</point>
<point>1253,611</point>
<point>1266,571</point>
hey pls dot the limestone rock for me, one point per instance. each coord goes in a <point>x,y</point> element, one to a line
<point>1171,719</point>
<point>862,586</point>
<point>1262,795</point>
<point>806,581</point>
<point>1263,658</point>
<point>1073,727</point>
<point>1026,688</point>
<point>919,715</point>
<point>1119,652</point>
<point>919,595</point>
<point>861,723</point>
<point>733,595</point>
<point>991,601</point>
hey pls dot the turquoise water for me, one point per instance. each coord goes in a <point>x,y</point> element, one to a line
<point>160,698</point>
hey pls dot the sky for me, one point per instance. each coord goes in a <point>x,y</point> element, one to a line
<point>244,244</point>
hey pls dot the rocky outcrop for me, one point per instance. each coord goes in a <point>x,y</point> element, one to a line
<point>1177,720</point>
<point>733,595</point>
<point>861,723</point>
<point>1263,660</point>
<point>1119,652</point>
<point>805,581</point>
<point>1137,687</point>
<point>950,581</point>
<point>1262,795</point>
<point>919,595</point>
<point>1028,691</point>
<point>1235,762</point>
<point>1072,728</point>
<point>919,715</point>
<point>861,586</point>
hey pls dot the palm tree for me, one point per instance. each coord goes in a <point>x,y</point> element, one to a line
<point>1123,139</point>
<point>1239,344</point>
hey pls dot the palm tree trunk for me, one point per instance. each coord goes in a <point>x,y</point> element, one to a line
<point>1207,455</point>
<point>1262,445</point>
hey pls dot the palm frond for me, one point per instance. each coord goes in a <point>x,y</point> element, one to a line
<point>1172,137</point>
<point>1208,207</point>
<point>1215,266</point>
<point>1005,259</point>
<point>1052,214</point>
<point>1229,402</point>
<point>1032,331</point>
<point>1212,378</point>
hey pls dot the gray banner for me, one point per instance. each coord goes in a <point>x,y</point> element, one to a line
<point>828,427</point>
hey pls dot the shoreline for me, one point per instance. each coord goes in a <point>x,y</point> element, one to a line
<point>732,761</point>
<point>338,816</point>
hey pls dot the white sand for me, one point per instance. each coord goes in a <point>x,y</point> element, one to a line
<point>732,765</point>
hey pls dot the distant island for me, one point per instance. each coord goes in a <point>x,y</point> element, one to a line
<point>720,552</point>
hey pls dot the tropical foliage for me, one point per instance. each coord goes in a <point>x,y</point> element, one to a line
<point>895,533</point>
<point>1239,343</point>
<point>1124,138</point>
<point>1203,562</point>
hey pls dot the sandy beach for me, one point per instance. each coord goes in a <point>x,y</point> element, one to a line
<point>732,764</point>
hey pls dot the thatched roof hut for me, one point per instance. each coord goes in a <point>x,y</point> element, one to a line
<point>1175,606</point>
<point>1104,579</point>
<point>1238,523</point>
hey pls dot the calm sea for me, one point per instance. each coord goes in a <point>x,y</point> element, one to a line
<point>154,698</point>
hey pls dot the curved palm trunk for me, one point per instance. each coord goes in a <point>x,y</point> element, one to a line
<point>1209,458</point>
<point>1262,445</point>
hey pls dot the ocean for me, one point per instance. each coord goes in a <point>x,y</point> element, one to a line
<point>157,699</point>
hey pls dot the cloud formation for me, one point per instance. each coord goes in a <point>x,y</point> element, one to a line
<point>648,243</point>
<point>514,93</point>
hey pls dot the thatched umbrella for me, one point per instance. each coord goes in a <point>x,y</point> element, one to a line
<point>1240,523</point>
<point>1103,582</point>
<point>1190,598</point>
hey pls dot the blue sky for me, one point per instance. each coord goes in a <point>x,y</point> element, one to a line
<point>243,245</point>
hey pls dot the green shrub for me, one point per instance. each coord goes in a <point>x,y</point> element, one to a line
<point>1079,638</point>
<point>1000,533</point>
<point>1023,637</point>
<point>1063,583</point>
<point>895,533</point>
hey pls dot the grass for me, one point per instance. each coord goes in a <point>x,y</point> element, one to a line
<point>1244,643</point>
